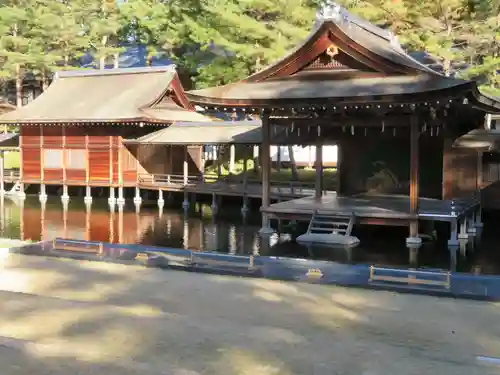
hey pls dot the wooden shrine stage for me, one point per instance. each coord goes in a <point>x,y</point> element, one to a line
<point>372,209</point>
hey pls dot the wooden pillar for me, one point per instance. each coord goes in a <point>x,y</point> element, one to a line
<point>21,153</point>
<point>186,166</point>
<point>87,162</point>
<point>318,191</point>
<point>338,188</point>
<point>42,156</point>
<point>64,153</point>
<point>110,160</point>
<point>414,173</point>
<point>232,156</point>
<point>219,164</point>
<point>265,156</point>
<point>245,170</point>
<point>2,164</point>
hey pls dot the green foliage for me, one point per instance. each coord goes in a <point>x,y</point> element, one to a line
<point>222,41</point>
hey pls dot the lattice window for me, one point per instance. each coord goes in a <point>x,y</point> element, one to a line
<point>76,159</point>
<point>53,159</point>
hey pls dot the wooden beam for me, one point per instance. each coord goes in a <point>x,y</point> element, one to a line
<point>414,173</point>
<point>87,161</point>
<point>265,155</point>
<point>318,186</point>
<point>63,130</point>
<point>110,160</point>
<point>42,156</point>
<point>2,166</point>
<point>120,162</point>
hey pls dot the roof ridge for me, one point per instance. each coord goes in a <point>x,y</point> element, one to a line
<point>116,71</point>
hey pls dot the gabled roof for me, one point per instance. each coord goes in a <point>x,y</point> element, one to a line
<point>344,60</point>
<point>148,95</point>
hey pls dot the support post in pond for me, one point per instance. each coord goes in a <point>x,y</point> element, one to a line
<point>185,166</point>
<point>88,195</point>
<point>318,186</point>
<point>2,164</point>
<point>185,202</point>
<point>244,208</point>
<point>65,195</point>
<point>413,238</point>
<point>121,198</point>
<point>137,197</point>
<point>43,193</point>
<point>214,206</point>
<point>266,173</point>
<point>112,199</point>
<point>477,216</point>
<point>161,201</point>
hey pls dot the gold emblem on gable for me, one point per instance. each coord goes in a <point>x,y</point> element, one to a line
<point>332,50</point>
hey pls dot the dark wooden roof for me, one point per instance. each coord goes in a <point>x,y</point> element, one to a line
<point>149,95</point>
<point>344,60</point>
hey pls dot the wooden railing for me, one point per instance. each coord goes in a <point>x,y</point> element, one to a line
<point>11,175</point>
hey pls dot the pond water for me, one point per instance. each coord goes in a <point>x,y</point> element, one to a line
<point>229,232</point>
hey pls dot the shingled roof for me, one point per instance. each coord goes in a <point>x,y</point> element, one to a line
<point>133,95</point>
<point>345,60</point>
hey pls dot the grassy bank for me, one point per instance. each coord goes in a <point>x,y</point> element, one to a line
<point>282,175</point>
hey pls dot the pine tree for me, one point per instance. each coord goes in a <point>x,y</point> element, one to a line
<point>226,40</point>
<point>102,23</point>
<point>17,52</point>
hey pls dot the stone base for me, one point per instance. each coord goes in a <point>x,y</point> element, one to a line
<point>137,200</point>
<point>478,224</point>
<point>472,230</point>
<point>112,201</point>
<point>65,197</point>
<point>185,205</point>
<point>453,243</point>
<point>244,210</point>
<point>42,197</point>
<point>463,236</point>
<point>87,199</point>
<point>266,230</point>
<point>120,201</point>
<point>414,241</point>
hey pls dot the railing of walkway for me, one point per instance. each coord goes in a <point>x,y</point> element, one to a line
<point>285,187</point>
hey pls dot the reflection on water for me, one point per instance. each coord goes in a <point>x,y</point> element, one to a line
<point>200,231</point>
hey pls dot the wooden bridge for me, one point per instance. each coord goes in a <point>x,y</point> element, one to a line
<point>228,186</point>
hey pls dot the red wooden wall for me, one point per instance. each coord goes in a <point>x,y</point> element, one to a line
<point>102,158</point>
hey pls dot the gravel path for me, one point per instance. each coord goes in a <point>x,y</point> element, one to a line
<point>70,317</point>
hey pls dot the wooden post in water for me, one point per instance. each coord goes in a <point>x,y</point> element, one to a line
<point>2,163</point>
<point>244,208</point>
<point>414,180</point>
<point>318,186</point>
<point>266,172</point>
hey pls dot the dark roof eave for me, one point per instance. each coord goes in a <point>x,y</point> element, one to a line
<point>452,92</point>
<point>484,102</point>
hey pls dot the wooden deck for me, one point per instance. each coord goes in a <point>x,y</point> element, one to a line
<point>371,208</point>
<point>226,186</point>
